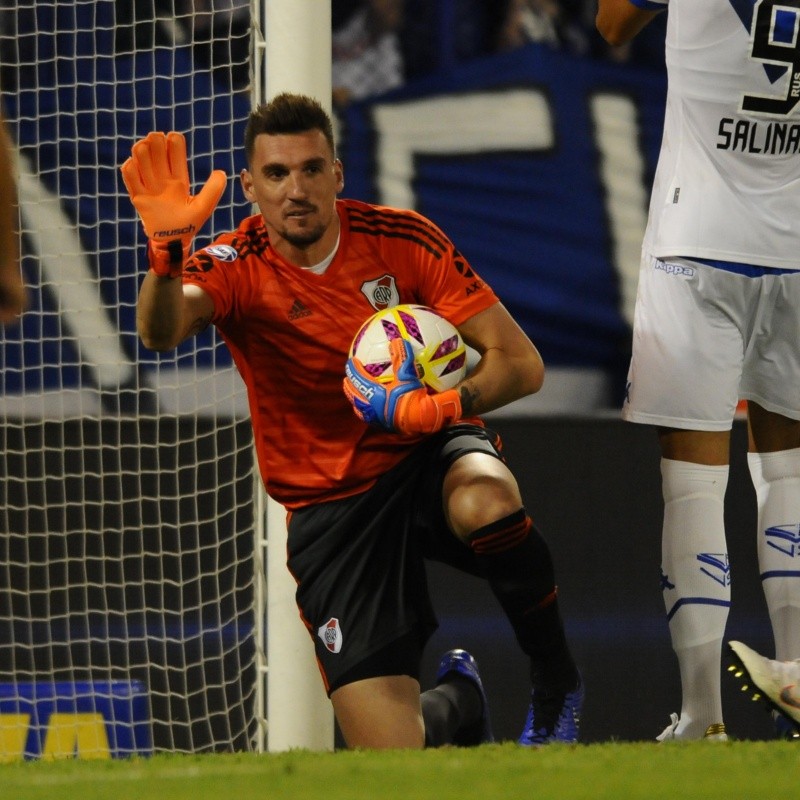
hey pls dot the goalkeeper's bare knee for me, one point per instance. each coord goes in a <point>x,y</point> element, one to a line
<point>478,490</point>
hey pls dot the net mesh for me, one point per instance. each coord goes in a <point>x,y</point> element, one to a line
<point>126,476</point>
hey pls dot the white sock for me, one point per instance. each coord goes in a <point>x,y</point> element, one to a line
<point>696,585</point>
<point>776,477</point>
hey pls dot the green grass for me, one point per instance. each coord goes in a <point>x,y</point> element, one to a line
<point>623,771</point>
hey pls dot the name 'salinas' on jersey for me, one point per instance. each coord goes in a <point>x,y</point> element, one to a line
<point>751,136</point>
<point>725,187</point>
<point>289,331</point>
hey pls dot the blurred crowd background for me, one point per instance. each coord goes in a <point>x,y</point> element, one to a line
<point>380,44</point>
<point>377,44</point>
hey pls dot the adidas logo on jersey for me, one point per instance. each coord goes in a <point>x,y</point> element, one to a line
<point>298,311</point>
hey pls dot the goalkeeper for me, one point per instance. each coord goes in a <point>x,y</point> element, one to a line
<point>375,479</point>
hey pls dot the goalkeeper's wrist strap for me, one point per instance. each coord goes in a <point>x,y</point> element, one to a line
<point>166,259</point>
<point>419,412</point>
<point>449,403</point>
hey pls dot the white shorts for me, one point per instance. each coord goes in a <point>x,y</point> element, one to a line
<point>703,338</point>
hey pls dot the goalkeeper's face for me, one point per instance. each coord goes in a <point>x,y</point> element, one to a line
<point>294,179</point>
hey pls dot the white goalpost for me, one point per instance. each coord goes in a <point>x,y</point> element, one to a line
<point>142,607</point>
<point>297,58</point>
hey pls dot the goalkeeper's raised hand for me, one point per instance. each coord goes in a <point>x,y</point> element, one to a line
<point>403,405</point>
<point>157,179</point>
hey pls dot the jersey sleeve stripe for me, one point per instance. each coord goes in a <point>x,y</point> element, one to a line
<point>377,231</point>
<point>400,220</point>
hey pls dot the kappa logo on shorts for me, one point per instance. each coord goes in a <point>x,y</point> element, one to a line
<point>331,635</point>
<point>673,269</point>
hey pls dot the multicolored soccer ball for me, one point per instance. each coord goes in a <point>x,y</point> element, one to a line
<point>439,351</point>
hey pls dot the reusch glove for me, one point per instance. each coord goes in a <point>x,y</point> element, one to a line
<point>421,412</point>
<point>374,402</point>
<point>157,179</point>
<point>403,405</point>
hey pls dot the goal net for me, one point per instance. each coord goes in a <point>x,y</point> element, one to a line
<point>127,571</point>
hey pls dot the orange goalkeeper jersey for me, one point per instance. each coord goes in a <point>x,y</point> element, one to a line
<point>289,332</point>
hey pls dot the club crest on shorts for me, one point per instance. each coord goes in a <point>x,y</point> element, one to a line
<point>381,293</point>
<point>331,635</point>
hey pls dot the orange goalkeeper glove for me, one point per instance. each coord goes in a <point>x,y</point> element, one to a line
<point>420,412</point>
<point>157,179</point>
<point>403,405</point>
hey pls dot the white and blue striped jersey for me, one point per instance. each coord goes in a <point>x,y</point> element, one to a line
<point>727,185</point>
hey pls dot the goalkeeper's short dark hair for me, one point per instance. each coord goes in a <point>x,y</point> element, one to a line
<point>287,113</point>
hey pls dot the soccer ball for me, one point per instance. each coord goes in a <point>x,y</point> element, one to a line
<point>439,351</point>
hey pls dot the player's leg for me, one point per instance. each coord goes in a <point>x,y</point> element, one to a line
<point>774,461</point>
<point>695,571</point>
<point>387,710</point>
<point>684,379</point>
<point>456,711</point>
<point>361,580</point>
<point>484,509</point>
<point>380,712</point>
<point>770,378</point>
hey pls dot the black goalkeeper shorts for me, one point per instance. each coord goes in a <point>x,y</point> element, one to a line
<point>360,562</point>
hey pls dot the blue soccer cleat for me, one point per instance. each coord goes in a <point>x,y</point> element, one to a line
<point>553,717</point>
<point>460,662</point>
